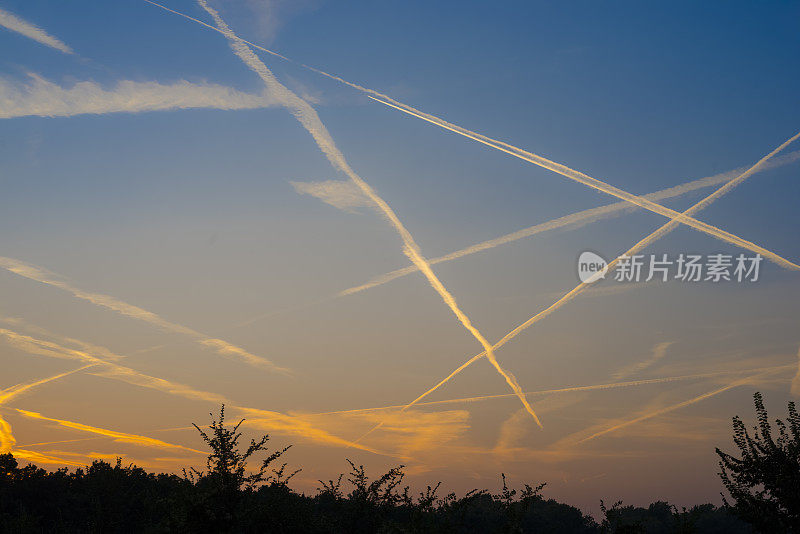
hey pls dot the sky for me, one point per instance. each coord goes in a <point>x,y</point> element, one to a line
<point>191,220</point>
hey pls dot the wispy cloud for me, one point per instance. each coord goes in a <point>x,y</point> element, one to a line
<point>310,120</point>
<point>31,31</point>
<point>43,98</point>
<point>222,347</point>
<point>659,351</point>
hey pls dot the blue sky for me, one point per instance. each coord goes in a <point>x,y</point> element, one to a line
<point>190,214</point>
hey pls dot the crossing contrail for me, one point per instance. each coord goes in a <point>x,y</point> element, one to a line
<point>572,221</point>
<point>310,120</point>
<point>596,184</point>
<point>220,346</point>
<point>14,391</point>
<point>660,232</point>
<point>516,152</point>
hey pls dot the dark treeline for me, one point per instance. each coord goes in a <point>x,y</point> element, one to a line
<point>226,497</point>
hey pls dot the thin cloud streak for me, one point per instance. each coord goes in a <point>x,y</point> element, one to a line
<point>31,31</point>
<point>515,151</point>
<point>571,221</point>
<point>308,117</point>
<point>224,348</point>
<point>660,232</point>
<point>43,98</point>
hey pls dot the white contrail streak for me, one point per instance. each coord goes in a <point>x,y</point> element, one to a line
<point>33,272</point>
<point>308,117</point>
<point>596,184</point>
<point>22,27</point>
<point>527,156</point>
<point>573,389</point>
<point>571,221</point>
<point>659,233</point>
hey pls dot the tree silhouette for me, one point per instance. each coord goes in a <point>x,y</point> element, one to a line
<point>228,497</point>
<point>764,483</point>
<point>227,478</point>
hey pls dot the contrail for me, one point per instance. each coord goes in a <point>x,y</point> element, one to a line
<point>220,346</point>
<point>573,389</point>
<point>308,117</point>
<point>517,152</point>
<point>107,368</point>
<point>660,232</point>
<point>14,391</point>
<point>597,184</point>
<point>683,404</point>
<point>121,437</point>
<point>31,31</point>
<point>571,221</point>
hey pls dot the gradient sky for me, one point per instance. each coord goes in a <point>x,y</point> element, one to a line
<point>169,187</point>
